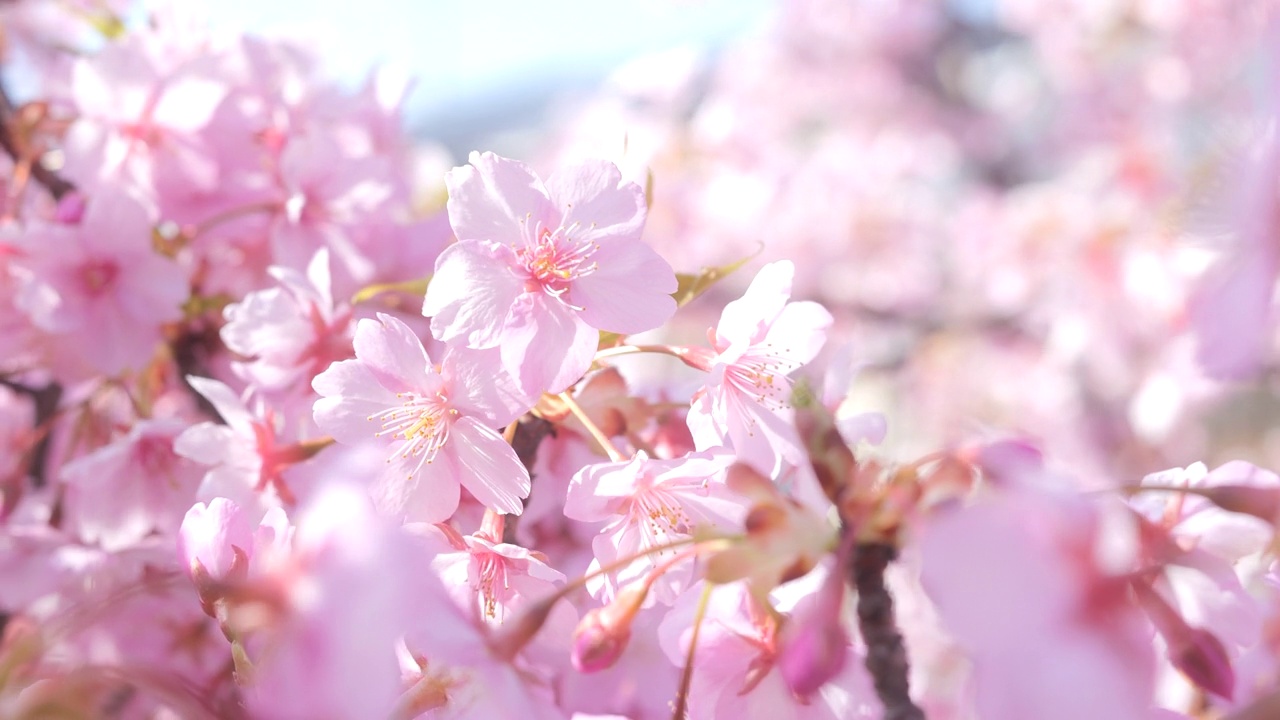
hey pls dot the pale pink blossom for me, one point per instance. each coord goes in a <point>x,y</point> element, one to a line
<point>539,268</point>
<point>121,492</point>
<point>246,453</point>
<point>288,334</point>
<point>1215,561</point>
<point>339,602</point>
<point>100,284</point>
<point>221,549</point>
<point>761,338</point>
<point>648,503</point>
<point>436,423</point>
<point>1033,587</point>
<point>737,671</point>
<point>488,577</point>
<point>141,106</point>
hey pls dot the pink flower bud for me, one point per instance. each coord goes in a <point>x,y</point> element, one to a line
<point>814,643</point>
<point>1196,652</point>
<point>517,633</point>
<point>603,633</point>
<point>1204,661</point>
<point>597,646</point>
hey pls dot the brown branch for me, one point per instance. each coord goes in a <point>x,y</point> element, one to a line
<point>886,654</point>
<point>16,145</point>
<point>530,431</point>
<point>46,400</point>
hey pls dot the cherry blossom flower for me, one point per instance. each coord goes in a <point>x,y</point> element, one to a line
<point>435,422</point>
<point>290,333</point>
<point>761,338</point>
<point>246,455</point>
<point>123,491</point>
<point>1059,583</point>
<point>488,576</point>
<point>540,267</point>
<point>100,284</point>
<point>142,105</point>
<point>339,602</point>
<point>736,664</point>
<point>648,503</point>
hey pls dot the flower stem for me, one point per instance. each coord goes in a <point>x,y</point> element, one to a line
<point>591,427</point>
<point>686,676</point>
<point>636,349</point>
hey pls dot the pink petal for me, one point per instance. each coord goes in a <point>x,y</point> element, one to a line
<point>597,490</point>
<point>630,292</point>
<point>392,352</point>
<point>547,347</point>
<point>478,385</point>
<point>1231,315</point>
<point>493,199</point>
<point>488,467</point>
<point>471,294</point>
<point>226,402</point>
<point>350,394</point>
<point>417,491</point>
<point>799,331</point>
<point>747,319</point>
<point>595,196</point>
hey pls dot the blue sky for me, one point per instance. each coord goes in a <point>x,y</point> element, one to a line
<point>484,56</point>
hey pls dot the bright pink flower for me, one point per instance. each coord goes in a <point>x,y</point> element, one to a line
<point>100,284</point>
<point>435,422</point>
<point>647,503</point>
<point>539,268</point>
<point>761,338</point>
<point>488,576</point>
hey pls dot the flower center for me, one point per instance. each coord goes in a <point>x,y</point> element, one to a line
<point>421,423</point>
<point>493,580</point>
<point>660,515</point>
<point>98,276</point>
<point>763,378</point>
<point>555,260</point>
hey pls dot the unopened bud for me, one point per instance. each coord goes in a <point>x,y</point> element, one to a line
<point>815,645</point>
<point>516,632</point>
<point>603,633</point>
<point>1204,661</point>
<point>1196,652</point>
<point>211,589</point>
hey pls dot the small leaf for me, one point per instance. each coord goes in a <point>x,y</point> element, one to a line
<point>414,287</point>
<point>692,285</point>
<point>198,305</point>
<point>609,339</point>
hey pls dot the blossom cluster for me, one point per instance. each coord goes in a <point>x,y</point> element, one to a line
<point>292,433</point>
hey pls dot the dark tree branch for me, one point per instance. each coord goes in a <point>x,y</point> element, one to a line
<point>46,400</point>
<point>886,655</point>
<point>17,147</point>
